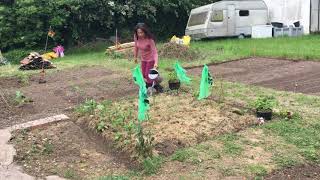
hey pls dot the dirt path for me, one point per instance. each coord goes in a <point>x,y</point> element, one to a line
<point>61,93</point>
<point>284,75</point>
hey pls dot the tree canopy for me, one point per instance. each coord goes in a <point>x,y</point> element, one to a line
<point>25,23</point>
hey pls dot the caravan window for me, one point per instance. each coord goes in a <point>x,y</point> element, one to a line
<point>244,13</point>
<point>217,16</point>
<point>198,19</point>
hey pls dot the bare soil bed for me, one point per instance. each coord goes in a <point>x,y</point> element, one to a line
<point>66,150</point>
<point>284,75</point>
<point>305,172</point>
<point>61,93</point>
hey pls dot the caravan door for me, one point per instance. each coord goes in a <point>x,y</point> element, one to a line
<point>231,20</point>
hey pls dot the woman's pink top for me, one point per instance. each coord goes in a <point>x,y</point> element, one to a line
<point>147,49</point>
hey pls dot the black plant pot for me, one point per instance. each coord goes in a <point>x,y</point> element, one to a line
<point>267,115</point>
<point>174,85</point>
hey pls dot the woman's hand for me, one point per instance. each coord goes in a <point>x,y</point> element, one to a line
<point>155,66</point>
<point>136,60</point>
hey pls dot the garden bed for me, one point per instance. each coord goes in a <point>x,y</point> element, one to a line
<point>66,150</point>
<point>176,121</point>
<point>279,74</point>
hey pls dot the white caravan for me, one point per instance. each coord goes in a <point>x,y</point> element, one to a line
<point>227,18</point>
<point>236,18</point>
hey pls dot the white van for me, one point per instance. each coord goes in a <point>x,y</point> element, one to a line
<point>227,18</point>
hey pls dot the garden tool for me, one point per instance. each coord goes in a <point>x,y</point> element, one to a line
<point>156,80</point>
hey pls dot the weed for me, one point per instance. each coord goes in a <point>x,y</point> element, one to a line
<point>115,55</point>
<point>182,155</point>
<point>284,161</point>
<point>228,137</point>
<point>20,99</point>
<point>257,170</point>
<point>144,143</point>
<point>101,126</point>
<point>70,174</point>
<point>233,148</point>
<point>112,177</point>
<point>226,171</point>
<point>152,165</point>
<point>214,154</point>
<point>23,78</point>
<point>87,108</point>
<point>34,149</point>
<point>230,145</point>
<point>48,147</point>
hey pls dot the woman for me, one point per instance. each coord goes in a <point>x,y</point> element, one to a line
<point>145,45</point>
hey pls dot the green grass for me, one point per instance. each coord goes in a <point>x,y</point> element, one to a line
<point>70,174</point>
<point>183,155</point>
<point>152,165</point>
<point>257,170</point>
<point>112,177</point>
<point>305,47</point>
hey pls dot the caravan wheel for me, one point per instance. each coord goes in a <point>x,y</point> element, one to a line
<point>241,36</point>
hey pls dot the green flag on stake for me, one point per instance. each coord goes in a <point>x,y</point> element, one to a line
<point>181,73</point>
<point>143,97</point>
<point>206,83</point>
<point>138,77</point>
<point>143,105</point>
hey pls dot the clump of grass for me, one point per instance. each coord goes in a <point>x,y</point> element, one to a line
<point>183,155</point>
<point>231,145</point>
<point>113,177</point>
<point>47,147</point>
<point>285,161</point>
<point>70,174</point>
<point>257,170</point>
<point>23,78</point>
<point>151,165</point>
<point>233,148</point>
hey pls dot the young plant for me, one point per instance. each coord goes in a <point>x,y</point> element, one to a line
<point>88,107</point>
<point>265,103</point>
<point>20,98</point>
<point>173,78</point>
<point>144,143</point>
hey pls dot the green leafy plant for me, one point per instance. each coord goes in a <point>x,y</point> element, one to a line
<point>173,77</point>
<point>47,147</point>
<point>101,126</point>
<point>265,103</point>
<point>20,98</point>
<point>144,143</point>
<point>88,107</point>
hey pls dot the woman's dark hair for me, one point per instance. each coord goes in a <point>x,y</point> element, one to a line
<point>145,29</point>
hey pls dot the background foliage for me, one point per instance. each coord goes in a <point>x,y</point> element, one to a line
<point>24,23</point>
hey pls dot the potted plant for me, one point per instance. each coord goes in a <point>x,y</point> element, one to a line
<point>174,83</point>
<point>264,106</point>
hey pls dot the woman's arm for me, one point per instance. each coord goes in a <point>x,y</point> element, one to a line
<point>154,52</point>
<point>136,50</point>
